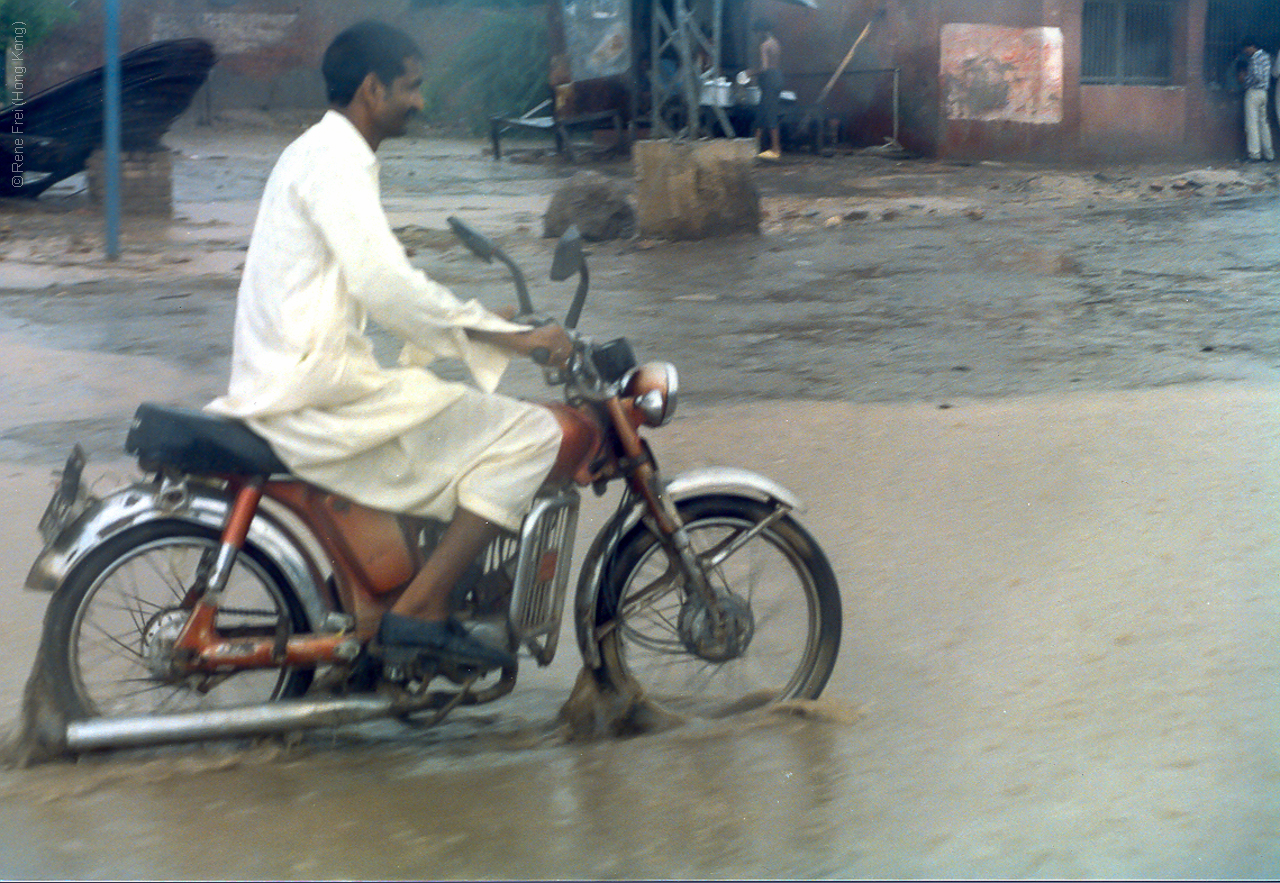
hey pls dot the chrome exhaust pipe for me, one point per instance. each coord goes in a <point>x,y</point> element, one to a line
<point>248,720</point>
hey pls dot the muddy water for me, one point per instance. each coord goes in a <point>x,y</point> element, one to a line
<point>1059,660</point>
<point>1040,452</point>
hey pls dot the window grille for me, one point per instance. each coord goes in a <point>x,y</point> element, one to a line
<point>1127,41</point>
<point>1226,23</point>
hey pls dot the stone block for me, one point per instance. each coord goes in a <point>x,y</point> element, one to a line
<point>146,181</point>
<point>696,189</point>
<point>599,206</point>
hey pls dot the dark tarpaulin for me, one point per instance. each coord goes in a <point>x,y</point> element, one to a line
<point>62,125</point>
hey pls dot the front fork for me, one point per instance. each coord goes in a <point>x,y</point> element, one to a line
<point>665,518</point>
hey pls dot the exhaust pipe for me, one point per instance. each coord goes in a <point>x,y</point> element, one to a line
<point>249,720</point>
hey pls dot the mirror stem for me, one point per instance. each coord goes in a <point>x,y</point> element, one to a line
<point>522,288</point>
<point>579,298</point>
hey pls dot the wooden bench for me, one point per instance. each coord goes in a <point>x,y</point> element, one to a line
<point>559,127</point>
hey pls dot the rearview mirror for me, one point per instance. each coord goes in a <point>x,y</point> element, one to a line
<point>472,239</point>
<point>568,258</point>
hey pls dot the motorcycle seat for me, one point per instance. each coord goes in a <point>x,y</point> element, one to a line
<point>198,442</point>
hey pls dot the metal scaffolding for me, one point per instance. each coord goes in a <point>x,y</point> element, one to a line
<point>684,48</point>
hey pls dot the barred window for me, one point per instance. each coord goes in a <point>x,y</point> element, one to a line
<point>1127,41</point>
<point>1226,22</point>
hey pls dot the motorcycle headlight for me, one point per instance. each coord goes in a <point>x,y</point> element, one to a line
<point>652,388</point>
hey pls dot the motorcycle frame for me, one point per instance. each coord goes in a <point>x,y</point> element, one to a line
<point>601,421</point>
<point>251,512</point>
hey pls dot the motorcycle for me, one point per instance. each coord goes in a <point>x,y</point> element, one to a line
<point>221,596</point>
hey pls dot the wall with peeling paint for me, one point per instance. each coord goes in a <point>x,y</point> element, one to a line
<point>268,50</point>
<point>978,78</point>
<point>995,73</point>
<point>1001,79</point>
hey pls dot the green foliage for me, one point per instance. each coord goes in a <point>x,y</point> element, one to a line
<point>499,68</point>
<point>23,23</point>
<point>38,17</point>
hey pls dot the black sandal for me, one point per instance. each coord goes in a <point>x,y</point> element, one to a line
<point>447,641</point>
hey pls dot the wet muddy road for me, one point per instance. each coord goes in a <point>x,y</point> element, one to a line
<point>1039,446</point>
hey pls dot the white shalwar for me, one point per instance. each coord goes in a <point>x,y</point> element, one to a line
<point>303,374</point>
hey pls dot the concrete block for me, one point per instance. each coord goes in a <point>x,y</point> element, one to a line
<point>146,181</point>
<point>696,189</point>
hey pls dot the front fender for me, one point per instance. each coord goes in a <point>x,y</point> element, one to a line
<point>732,482</point>
<point>721,480</point>
<point>204,505</point>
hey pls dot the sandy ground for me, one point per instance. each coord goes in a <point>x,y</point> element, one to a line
<point>1059,654</point>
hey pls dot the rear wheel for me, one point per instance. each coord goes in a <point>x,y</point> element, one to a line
<point>109,629</point>
<point>779,605</point>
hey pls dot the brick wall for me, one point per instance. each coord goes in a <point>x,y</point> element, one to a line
<point>268,51</point>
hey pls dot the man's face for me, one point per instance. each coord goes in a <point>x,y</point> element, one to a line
<point>399,100</point>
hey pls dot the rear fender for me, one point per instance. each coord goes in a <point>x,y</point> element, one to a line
<point>718,480</point>
<point>193,503</point>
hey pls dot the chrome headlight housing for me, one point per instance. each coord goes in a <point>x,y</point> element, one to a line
<point>654,391</point>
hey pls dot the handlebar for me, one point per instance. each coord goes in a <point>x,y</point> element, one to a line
<point>487,251</point>
<point>582,373</point>
<point>569,259</point>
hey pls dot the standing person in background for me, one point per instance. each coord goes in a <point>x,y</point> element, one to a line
<point>1255,78</point>
<point>769,78</point>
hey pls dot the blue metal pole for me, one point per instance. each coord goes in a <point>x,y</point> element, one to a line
<point>111,126</point>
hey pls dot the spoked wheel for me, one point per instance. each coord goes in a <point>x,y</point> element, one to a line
<point>110,628</point>
<point>778,612</point>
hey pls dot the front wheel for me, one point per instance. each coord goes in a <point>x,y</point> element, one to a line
<point>778,611</point>
<point>110,628</point>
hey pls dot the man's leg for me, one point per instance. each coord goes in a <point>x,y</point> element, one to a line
<point>427,596</point>
<point>1251,136</point>
<point>419,622</point>
<point>518,446</point>
<point>1264,128</point>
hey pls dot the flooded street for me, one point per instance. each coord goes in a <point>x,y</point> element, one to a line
<point>1036,429</point>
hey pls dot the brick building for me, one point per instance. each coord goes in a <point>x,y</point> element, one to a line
<point>268,50</point>
<point>1053,79</point>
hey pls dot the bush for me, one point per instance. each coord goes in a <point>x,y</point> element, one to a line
<point>500,68</point>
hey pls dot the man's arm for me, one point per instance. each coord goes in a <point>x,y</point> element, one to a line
<point>348,211</point>
<point>771,54</point>
<point>550,337</point>
<point>426,315</point>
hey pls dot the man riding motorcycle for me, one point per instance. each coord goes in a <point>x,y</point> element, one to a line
<point>323,259</point>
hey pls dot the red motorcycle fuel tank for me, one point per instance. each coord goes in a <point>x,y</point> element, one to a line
<point>580,445</point>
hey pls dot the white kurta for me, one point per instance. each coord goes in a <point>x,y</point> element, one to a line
<point>303,374</point>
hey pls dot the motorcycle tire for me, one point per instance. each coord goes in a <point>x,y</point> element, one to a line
<point>652,633</point>
<point>106,627</point>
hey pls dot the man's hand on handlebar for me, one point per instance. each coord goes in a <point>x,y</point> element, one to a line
<point>548,344</point>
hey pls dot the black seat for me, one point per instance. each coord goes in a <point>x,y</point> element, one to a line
<point>195,441</point>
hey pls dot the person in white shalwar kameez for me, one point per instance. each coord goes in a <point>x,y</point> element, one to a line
<point>321,261</point>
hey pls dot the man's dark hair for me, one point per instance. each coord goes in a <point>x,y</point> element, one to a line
<point>1249,42</point>
<point>362,49</point>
